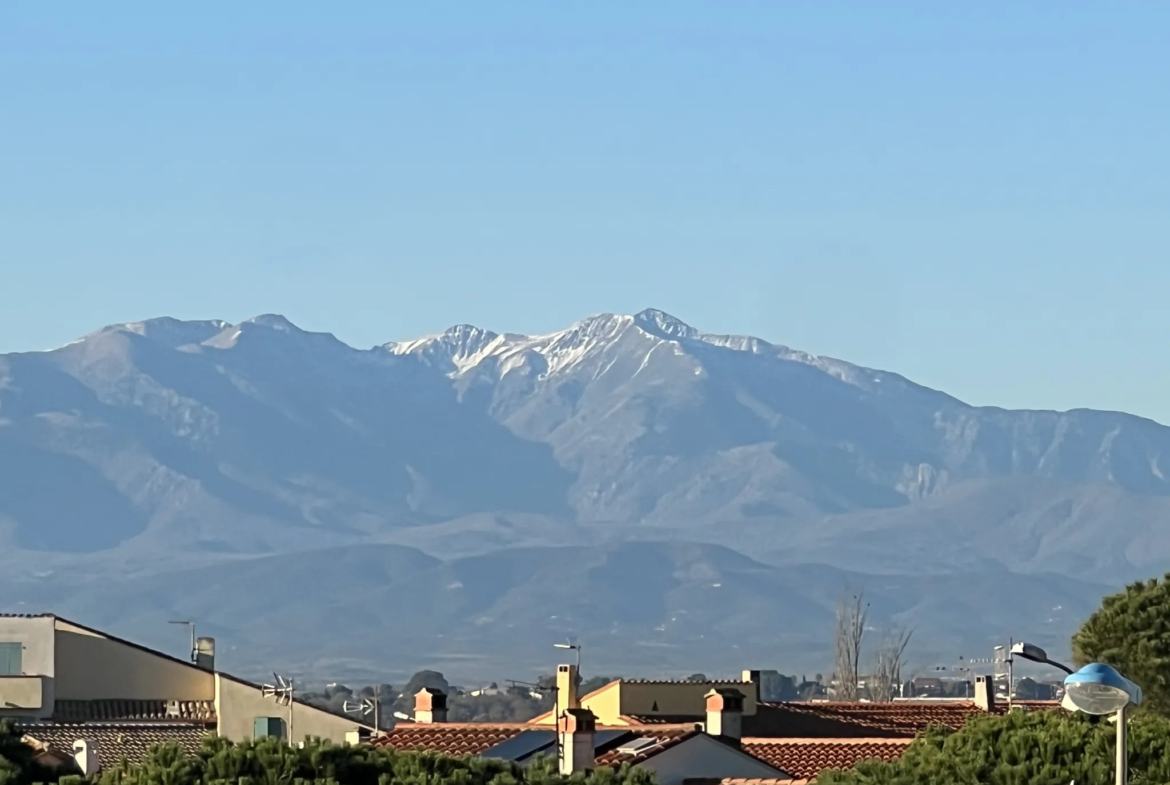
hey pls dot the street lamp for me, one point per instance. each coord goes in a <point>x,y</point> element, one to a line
<point>1034,653</point>
<point>1099,689</point>
<point>572,647</point>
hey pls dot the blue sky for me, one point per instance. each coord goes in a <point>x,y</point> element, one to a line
<point>976,195</point>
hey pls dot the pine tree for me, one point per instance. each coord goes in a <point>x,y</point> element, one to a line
<point>1131,632</point>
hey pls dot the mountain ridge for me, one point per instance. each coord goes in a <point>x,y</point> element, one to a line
<point>217,454</point>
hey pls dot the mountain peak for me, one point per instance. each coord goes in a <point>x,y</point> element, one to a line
<point>663,324</point>
<point>165,330</point>
<point>274,321</point>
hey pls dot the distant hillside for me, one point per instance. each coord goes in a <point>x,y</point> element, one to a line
<point>635,607</point>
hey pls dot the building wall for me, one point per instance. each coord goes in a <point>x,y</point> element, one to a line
<point>703,757</point>
<point>678,697</point>
<point>631,697</point>
<point>92,667</point>
<point>238,704</point>
<point>36,638</point>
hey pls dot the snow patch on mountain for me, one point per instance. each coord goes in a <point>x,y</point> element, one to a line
<point>465,348</point>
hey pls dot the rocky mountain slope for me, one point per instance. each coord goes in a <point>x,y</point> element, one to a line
<point>167,437</point>
<point>216,451</point>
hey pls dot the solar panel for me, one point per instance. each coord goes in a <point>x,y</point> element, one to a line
<point>519,747</point>
<point>638,744</point>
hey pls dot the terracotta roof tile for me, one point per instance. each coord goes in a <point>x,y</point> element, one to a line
<point>760,781</point>
<point>449,738</point>
<point>475,738</point>
<point>809,757</point>
<point>116,741</point>
<point>27,616</point>
<point>833,720</point>
<point>738,682</point>
<point>114,710</point>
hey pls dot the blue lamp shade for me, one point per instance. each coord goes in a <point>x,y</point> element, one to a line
<point>1100,689</point>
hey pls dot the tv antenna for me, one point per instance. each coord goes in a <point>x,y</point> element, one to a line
<point>366,706</point>
<point>283,691</point>
<point>190,625</point>
<point>542,689</point>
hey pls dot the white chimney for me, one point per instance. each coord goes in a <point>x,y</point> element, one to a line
<point>205,653</point>
<point>85,752</point>
<point>725,713</point>
<point>576,728</point>
<point>985,693</point>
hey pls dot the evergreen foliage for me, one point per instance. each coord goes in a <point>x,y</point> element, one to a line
<point>1131,632</point>
<point>272,762</point>
<point>1021,748</point>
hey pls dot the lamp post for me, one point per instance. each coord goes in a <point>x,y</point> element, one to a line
<point>1035,654</point>
<point>1099,689</point>
<point>572,647</point>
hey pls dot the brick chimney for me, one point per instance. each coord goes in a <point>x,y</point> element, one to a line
<point>430,706</point>
<point>567,697</point>
<point>725,713</point>
<point>576,728</point>
<point>985,693</point>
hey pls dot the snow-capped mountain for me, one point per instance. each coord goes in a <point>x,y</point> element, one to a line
<point>171,437</point>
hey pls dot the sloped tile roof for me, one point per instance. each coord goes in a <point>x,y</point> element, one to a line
<point>114,710</point>
<point>27,616</point>
<point>899,719</point>
<point>760,781</point>
<point>809,757</point>
<point>735,682</point>
<point>116,741</point>
<point>449,738</point>
<point>474,738</point>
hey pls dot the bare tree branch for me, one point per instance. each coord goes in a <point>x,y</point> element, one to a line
<point>889,660</point>
<point>852,611</point>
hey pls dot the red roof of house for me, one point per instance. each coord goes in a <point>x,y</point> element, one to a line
<point>473,738</point>
<point>833,720</point>
<point>453,738</point>
<point>809,757</point>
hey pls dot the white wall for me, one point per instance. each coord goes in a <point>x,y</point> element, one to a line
<point>37,659</point>
<point>703,757</point>
<point>238,704</point>
<point>92,667</point>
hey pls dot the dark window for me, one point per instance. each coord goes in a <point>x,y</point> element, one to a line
<point>10,659</point>
<point>268,727</point>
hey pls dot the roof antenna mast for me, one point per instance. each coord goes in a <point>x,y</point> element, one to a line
<point>282,691</point>
<point>191,625</point>
<point>367,706</point>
